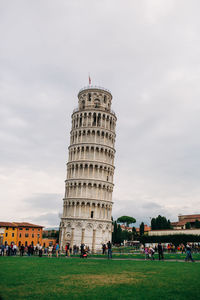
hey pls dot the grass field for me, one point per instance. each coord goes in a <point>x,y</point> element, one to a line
<point>74,278</point>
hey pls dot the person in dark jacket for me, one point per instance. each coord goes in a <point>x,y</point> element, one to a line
<point>189,253</point>
<point>160,251</point>
<point>109,245</point>
<point>22,250</point>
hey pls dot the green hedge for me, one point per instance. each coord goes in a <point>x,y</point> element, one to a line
<point>175,239</point>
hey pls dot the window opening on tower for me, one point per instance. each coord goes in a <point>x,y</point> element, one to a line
<point>83,104</point>
<point>89,97</point>
<point>94,119</point>
<point>97,103</point>
<point>92,214</point>
<point>98,119</point>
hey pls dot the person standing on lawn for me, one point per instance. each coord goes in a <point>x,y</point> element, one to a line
<point>152,252</point>
<point>22,250</point>
<point>57,250</point>
<point>146,253</point>
<point>160,251</point>
<point>40,251</point>
<point>66,249</point>
<point>50,249</point>
<point>188,253</point>
<point>14,249</point>
<point>103,249</point>
<point>109,245</point>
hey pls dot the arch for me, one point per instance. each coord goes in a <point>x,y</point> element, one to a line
<point>94,119</point>
<point>98,119</point>
<point>97,103</point>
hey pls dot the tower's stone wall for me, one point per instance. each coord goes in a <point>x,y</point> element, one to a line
<point>87,205</point>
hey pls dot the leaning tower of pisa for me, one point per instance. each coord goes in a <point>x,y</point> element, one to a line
<point>87,204</point>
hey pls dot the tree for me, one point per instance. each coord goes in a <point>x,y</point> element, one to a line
<point>126,220</point>
<point>160,223</point>
<point>142,228</point>
<point>188,225</point>
<point>117,234</point>
<point>126,235</point>
<point>134,233</point>
<point>114,234</point>
<point>119,238</point>
<point>197,224</point>
<point>153,224</point>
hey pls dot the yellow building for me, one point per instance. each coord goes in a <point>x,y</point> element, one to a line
<point>21,233</point>
<point>10,232</point>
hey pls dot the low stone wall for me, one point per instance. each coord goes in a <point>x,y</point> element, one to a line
<point>175,231</point>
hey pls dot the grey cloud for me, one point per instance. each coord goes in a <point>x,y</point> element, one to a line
<point>147,54</point>
<point>44,201</point>
<point>47,220</point>
<point>151,205</point>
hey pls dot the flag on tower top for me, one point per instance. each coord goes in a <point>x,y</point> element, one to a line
<point>89,80</point>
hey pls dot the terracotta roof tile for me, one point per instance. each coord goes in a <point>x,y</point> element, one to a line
<point>184,221</point>
<point>190,216</point>
<point>7,224</point>
<point>25,224</point>
<point>18,224</point>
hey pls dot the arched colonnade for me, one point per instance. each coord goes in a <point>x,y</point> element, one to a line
<point>91,190</point>
<point>90,170</point>
<point>93,136</point>
<point>94,153</point>
<point>87,209</point>
<point>93,118</point>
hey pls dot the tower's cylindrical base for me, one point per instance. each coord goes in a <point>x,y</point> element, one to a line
<point>92,233</point>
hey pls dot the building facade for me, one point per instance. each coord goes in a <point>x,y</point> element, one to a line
<point>29,234</point>
<point>87,205</point>
<point>21,233</point>
<point>9,232</point>
<point>183,220</point>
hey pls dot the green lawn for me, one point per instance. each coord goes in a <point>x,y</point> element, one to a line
<point>74,278</point>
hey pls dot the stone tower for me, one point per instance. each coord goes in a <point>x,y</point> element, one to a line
<point>87,205</point>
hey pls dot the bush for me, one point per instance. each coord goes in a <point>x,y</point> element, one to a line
<point>175,239</point>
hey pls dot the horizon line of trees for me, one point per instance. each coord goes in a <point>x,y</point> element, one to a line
<point>119,235</point>
<point>158,223</point>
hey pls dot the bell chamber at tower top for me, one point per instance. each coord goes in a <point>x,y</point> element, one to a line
<point>94,110</point>
<point>92,97</point>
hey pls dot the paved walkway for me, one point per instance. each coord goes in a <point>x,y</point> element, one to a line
<point>139,259</point>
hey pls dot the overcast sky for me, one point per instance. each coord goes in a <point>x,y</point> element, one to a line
<point>147,53</point>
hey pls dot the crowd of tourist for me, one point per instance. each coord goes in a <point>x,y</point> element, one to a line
<point>170,248</point>
<point>84,250</point>
<point>160,249</point>
<point>13,250</point>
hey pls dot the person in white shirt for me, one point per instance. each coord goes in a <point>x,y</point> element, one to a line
<point>50,249</point>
